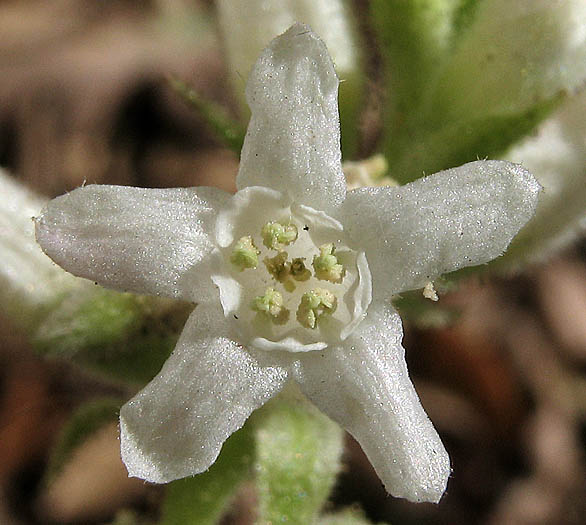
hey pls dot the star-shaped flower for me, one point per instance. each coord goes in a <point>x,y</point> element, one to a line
<point>293,278</point>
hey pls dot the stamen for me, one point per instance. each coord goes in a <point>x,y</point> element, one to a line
<point>315,304</point>
<point>245,254</point>
<point>326,265</point>
<point>271,305</point>
<point>429,292</point>
<point>277,266</point>
<point>298,270</point>
<point>276,235</point>
<point>280,269</point>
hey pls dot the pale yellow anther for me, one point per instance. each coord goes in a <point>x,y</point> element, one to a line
<point>271,305</point>
<point>315,304</point>
<point>276,235</point>
<point>245,254</point>
<point>429,292</point>
<point>326,265</point>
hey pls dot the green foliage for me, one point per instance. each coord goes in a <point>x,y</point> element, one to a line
<point>203,499</point>
<point>415,38</point>
<point>464,81</point>
<point>84,423</point>
<point>122,336</point>
<point>86,320</point>
<point>458,142</point>
<point>295,451</point>
<point>298,457</point>
<point>463,15</point>
<point>215,115</point>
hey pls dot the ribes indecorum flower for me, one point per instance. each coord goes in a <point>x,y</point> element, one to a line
<point>293,278</point>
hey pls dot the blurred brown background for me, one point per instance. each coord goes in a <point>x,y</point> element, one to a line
<point>84,97</point>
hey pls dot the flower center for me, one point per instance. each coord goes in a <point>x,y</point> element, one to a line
<point>289,281</point>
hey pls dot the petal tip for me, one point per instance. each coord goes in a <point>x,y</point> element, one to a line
<point>46,237</point>
<point>428,483</point>
<point>132,457</point>
<point>293,138</point>
<point>295,52</point>
<point>526,188</point>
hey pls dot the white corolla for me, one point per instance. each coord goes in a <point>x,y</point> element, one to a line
<point>292,277</point>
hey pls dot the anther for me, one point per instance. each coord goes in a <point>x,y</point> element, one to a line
<point>326,265</point>
<point>245,254</point>
<point>271,305</point>
<point>314,305</point>
<point>276,235</point>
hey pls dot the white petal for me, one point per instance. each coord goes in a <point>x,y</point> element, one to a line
<point>248,210</point>
<point>365,387</point>
<point>459,217</point>
<point>133,239</point>
<point>293,139</point>
<point>362,296</point>
<point>176,425</point>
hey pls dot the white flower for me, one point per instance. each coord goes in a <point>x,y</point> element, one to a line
<point>292,277</point>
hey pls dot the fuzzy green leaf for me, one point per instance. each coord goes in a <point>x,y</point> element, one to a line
<point>459,142</point>
<point>203,499</point>
<point>467,79</point>
<point>298,452</point>
<point>122,336</point>
<point>513,57</point>
<point>463,16</point>
<point>415,38</point>
<point>84,423</point>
